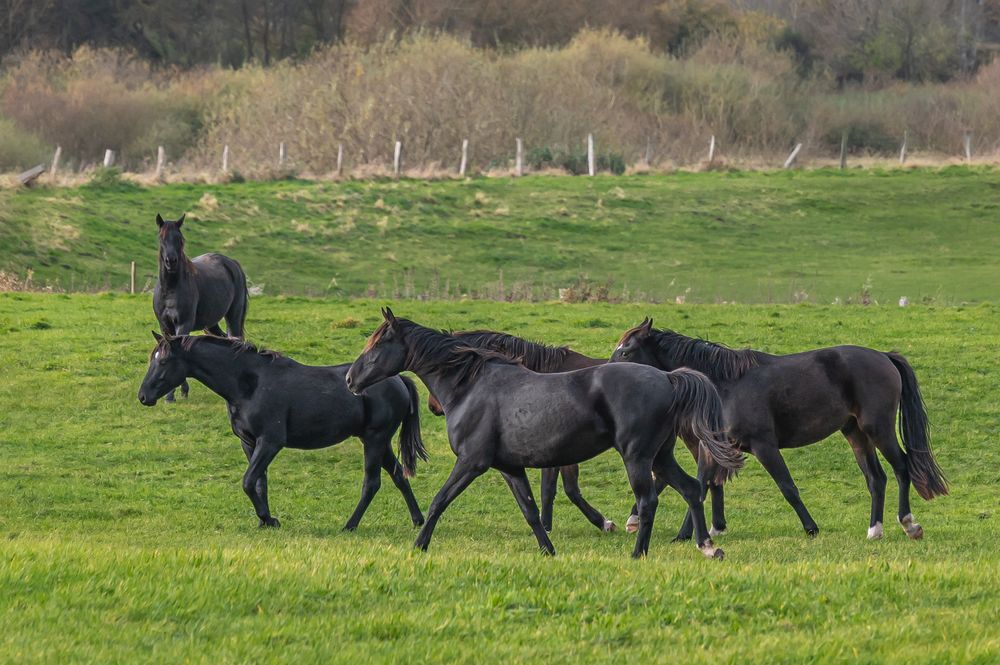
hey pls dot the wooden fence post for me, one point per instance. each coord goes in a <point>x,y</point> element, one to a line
<point>519,159</point>
<point>55,161</point>
<point>161,159</point>
<point>397,158</point>
<point>465,157</point>
<point>649,151</point>
<point>711,150</point>
<point>131,280</point>
<point>282,154</point>
<point>591,163</point>
<point>791,157</point>
<point>902,148</point>
<point>843,150</point>
<point>968,146</point>
<point>225,159</point>
<point>340,159</point>
<point>109,157</point>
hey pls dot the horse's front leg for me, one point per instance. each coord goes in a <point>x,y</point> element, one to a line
<point>255,478</point>
<point>517,480</point>
<point>464,472</point>
<point>374,450</point>
<point>180,330</point>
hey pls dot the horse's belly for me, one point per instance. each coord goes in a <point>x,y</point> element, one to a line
<point>553,442</point>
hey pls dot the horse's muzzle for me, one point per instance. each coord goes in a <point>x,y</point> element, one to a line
<point>145,401</point>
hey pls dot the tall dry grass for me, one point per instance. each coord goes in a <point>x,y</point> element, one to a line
<point>433,91</point>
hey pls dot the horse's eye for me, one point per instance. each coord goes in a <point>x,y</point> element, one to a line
<point>163,361</point>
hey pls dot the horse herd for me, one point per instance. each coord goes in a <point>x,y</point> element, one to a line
<point>511,404</point>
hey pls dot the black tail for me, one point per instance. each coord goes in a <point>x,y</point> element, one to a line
<point>411,446</point>
<point>698,410</point>
<point>925,474</point>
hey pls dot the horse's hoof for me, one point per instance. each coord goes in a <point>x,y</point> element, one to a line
<point>609,526</point>
<point>170,398</point>
<point>632,524</point>
<point>719,554</point>
<point>681,538</point>
<point>875,532</point>
<point>269,523</point>
<point>348,527</point>
<point>812,532</point>
<point>418,522</point>
<point>549,551</point>
<point>912,529</point>
<point>713,532</point>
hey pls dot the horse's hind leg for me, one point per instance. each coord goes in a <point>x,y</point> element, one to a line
<point>771,459</point>
<point>864,453</point>
<point>693,493</point>
<point>884,437</point>
<point>517,480</point>
<point>640,477</point>
<point>395,471</point>
<point>462,474</point>
<point>374,451</point>
<point>571,483</point>
<point>549,486</point>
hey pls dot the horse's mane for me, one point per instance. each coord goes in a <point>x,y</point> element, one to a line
<point>717,361</point>
<point>235,344</point>
<point>533,355</point>
<point>428,349</point>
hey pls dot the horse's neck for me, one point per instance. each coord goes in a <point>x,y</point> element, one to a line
<point>680,355</point>
<point>576,360</point>
<point>219,369</point>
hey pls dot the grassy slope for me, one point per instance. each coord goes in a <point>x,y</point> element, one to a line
<point>745,237</point>
<point>124,534</point>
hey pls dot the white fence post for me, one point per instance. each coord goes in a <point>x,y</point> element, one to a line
<point>282,154</point>
<point>465,157</point>
<point>649,151</point>
<point>397,158</point>
<point>711,149</point>
<point>55,161</point>
<point>131,280</point>
<point>791,157</point>
<point>968,146</point>
<point>340,159</point>
<point>591,163</point>
<point>519,159</point>
<point>161,158</point>
<point>902,148</point>
<point>225,159</point>
<point>109,157</point>
<point>843,150</point>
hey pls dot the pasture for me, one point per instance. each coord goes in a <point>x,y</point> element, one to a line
<point>817,236</point>
<point>125,536</point>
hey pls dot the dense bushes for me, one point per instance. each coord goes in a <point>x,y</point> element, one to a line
<point>431,92</point>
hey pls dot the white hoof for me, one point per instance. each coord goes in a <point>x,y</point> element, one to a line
<point>912,529</point>
<point>632,524</point>
<point>610,526</point>
<point>875,532</point>
<point>713,532</point>
<point>711,551</point>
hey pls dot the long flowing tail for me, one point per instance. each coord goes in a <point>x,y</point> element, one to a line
<point>411,446</point>
<point>698,409</point>
<point>925,474</point>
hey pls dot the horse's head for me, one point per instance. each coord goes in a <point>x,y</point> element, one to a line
<point>171,243</point>
<point>384,355</point>
<point>637,345</point>
<point>167,369</point>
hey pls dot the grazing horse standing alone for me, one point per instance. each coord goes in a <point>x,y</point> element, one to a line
<point>545,359</point>
<point>195,294</point>
<point>502,415</point>
<point>774,402</point>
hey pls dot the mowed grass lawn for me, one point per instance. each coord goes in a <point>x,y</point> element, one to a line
<point>818,236</point>
<point>125,536</point>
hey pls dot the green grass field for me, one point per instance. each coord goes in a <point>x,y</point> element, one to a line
<point>125,536</point>
<point>775,237</point>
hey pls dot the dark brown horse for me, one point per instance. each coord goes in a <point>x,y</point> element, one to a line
<point>545,359</point>
<point>195,294</point>
<point>774,402</point>
<point>502,415</point>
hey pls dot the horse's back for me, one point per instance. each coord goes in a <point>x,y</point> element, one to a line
<point>221,286</point>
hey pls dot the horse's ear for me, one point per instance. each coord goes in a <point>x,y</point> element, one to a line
<point>159,220</point>
<point>157,336</point>
<point>389,316</point>
<point>181,220</point>
<point>645,327</point>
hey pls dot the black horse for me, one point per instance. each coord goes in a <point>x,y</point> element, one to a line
<point>545,359</point>
<point>274,403</point>
<point>773,402</point>
<point>504,416</point>
<point>195,294</point>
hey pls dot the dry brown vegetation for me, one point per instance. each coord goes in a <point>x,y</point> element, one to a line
<point>433,91</point>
